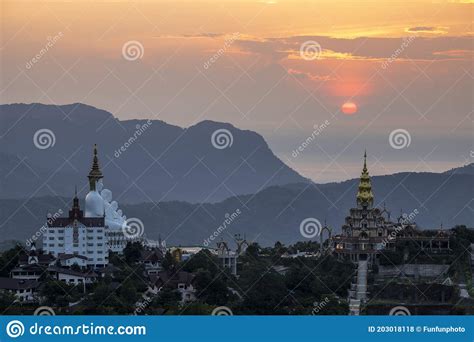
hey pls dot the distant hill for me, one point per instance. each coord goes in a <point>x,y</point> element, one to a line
<point>182,187</point>
<point>164,162</point>
<point>463,170</point>
<point>275,212</point>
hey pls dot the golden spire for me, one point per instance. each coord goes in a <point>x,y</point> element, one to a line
<point>95,174</point>
<point>365,197</point>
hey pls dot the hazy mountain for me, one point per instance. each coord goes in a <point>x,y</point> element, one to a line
<point>274,213</point>
<point>464,170</point>
<point>158,162</point>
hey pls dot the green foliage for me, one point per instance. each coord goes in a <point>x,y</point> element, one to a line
<point>56,293</point>
<point>203,260</point>
<point>212,288</point>
<point>168,263</point>
<point>167,298</point>
<point>9,259</point>
<point>132,251</point>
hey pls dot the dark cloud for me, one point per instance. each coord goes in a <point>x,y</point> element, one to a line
<point>412,47</point>
<point>423,29</point>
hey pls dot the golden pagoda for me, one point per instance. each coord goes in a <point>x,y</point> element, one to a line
<point>365,197</point>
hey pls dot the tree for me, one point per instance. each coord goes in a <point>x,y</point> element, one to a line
<point>168,262</point>
<point>211,288</point>
<point>265,290</point>
<point>128,293</point>
<point>253,251</point>
<point>58,293</point>
<point>8,260</point>
<point>132,252</point>
<point>203,260</point>
<point>167,297</point>
<point>6,300</point>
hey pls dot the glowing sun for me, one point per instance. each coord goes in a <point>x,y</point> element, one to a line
<point>349,108</point>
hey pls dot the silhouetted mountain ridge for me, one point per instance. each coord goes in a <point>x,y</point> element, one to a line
<point>276,212</point>
<point>142,160</point>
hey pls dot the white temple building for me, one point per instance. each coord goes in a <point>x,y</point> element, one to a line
<point>91,233</point>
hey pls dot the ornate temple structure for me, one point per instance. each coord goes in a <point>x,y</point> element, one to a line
<point>368,231</point>
<point>91,233</point>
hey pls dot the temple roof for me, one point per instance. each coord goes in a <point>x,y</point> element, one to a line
<point>365,197</point>
<point>95,173</point>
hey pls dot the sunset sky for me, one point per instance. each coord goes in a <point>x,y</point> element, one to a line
<point>395,64</point>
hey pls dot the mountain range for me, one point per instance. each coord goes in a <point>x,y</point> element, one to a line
<point>183,188</point>
<point>164,162</point>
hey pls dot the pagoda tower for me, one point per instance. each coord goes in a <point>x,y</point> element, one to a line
<point>365,197</point>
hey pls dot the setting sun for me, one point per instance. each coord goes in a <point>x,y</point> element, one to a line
<point>349,108</point>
